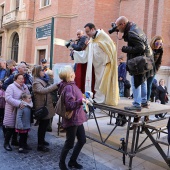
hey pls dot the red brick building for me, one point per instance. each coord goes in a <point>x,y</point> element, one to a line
<point>21,18</point>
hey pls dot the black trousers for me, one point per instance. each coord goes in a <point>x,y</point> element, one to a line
<point>23,139</point>
<point>43,124</point>
<point>2,110</point>
<point>71,133</point>
<point>9,132</point>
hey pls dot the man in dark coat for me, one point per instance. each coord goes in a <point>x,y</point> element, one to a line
<point>137,45</point>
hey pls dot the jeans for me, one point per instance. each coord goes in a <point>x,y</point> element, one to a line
<point>71,133</point>
<point>149,87</point>
<point>121,88</point>
<point>139,93</point>
<point>43,124</point>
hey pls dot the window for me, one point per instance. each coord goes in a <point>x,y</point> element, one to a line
<point>14,50</point>
<point>45,3</point>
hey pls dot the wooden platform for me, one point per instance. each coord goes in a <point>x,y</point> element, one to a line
<point>154,108</point>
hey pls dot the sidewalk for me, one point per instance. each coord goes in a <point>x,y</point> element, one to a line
<point>35,160</point>
<point>94,156</point>
<point>149,159</point>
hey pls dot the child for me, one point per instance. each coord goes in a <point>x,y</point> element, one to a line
<point>23,123</point>
<point>161,95</point>
<point>73,100</point>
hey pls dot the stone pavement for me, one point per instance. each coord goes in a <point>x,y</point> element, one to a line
<point>35,160</point>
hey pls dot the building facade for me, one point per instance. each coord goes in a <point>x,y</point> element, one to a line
<point>25,25</point>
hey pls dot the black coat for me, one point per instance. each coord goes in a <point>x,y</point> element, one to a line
<point>161,94</point>
<point>137,45</point>
<point>81,44</point>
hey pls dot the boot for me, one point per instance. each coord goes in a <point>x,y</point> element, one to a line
<point>63,166</point>
<point>74,164</point>
<point>8,135</point>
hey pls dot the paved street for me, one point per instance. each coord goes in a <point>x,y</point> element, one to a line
<point>35,160</point>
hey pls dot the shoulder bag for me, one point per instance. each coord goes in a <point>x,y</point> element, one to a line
<point>140,64</point>
<point>60,108</point>
<point>42,112</point>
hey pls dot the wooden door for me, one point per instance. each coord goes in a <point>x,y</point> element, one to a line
<point>41,55</point>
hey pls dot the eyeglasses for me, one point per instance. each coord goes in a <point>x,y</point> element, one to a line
<point>158,43</point>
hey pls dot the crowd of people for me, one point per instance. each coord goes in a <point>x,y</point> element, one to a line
<point>24,90</point>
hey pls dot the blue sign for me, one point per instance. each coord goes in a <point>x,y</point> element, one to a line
<point>43,31</point>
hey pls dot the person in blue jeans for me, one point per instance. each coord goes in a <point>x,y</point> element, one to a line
<point>137,45</point>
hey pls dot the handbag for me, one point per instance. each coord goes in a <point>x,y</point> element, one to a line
<point>140,65</point>
<point>60,108</point>
<point>42,112</point>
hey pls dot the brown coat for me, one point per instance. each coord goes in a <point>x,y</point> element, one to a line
<point>40,90</point>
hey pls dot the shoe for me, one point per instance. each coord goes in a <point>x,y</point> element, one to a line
<point>146,118</point>
<point>161,115</point>
<point>74,165</point>
<point>63,166</point>
<point>133,108</point>
<point>145,105</point>
<point>43,149</point>
<point>131,127</point>
<point>7,147</point>
<point>15,143</point>
<point>49,130</point>
<point>27,147</point>
<point>46,143</point>
<point>22,150</point>
<point>157,116</point>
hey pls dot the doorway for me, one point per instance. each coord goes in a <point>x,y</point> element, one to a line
<point>41,55</point>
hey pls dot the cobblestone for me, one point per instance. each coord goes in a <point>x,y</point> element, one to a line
<point>35,160</point>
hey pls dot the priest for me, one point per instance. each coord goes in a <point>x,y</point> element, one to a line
<point>101,54</point>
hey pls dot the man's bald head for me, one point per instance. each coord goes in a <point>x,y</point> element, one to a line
<point>121,23</point>
<point>80,33</point>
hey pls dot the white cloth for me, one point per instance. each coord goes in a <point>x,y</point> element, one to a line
<point>96,56</point>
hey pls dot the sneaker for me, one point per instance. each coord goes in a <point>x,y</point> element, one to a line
<point>133,108</point>
<point>145,105</point>
<point>74,165</point>
<point>22,150</point>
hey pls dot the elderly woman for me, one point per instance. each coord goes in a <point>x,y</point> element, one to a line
<point>41,90</point>
<point>12,97</point>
